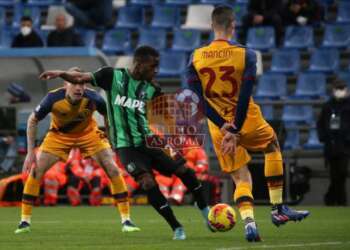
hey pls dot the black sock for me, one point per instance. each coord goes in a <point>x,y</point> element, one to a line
<point>190,180</point>
<point>158,201</point>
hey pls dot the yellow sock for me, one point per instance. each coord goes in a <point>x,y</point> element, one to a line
<point>120,194</point>
<point>30,194</point>
<point>244,200</point>
<point>274,176</point>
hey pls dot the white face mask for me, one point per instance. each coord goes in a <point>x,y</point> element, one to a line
<point>26,30</point>
<point>340,93</point>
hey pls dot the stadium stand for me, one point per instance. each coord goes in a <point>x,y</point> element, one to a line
<point>313,142</point>
<point>311,85</point>
<point>31,11</point>
<point>343,15</point>
<point>172,64</point>
<point>186,40</point>
<point>261,38</point>
<point>152,37</point>
<point>299,37</point>
<point>130,17</point>
<point>285,61</point>
<point>272,86</point>
<point>336,35</point>
<point>198,17</point>
<point>165,16</point>
<point>117,41</point>
<point>324,60</point>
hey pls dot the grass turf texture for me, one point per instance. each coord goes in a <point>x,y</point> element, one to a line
<point>99,228</point>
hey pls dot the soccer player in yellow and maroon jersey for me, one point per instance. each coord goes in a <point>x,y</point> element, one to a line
<point>222,74</point>
<point>72,126</point>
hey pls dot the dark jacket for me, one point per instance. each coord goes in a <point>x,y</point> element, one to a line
<point>65,38</point>
<point>266,8</point>
<point>32,40</point>
<point>310,10</point>
<point>337,142</point>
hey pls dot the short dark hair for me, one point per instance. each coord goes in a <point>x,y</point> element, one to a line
<point>144,53</point>
<point>26,18</point>
<point>223,16</point>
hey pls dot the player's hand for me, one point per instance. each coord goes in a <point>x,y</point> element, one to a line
<point>51,74</point>
<point>29,161</point>
<point>229,143</point>
<point>226,126</point>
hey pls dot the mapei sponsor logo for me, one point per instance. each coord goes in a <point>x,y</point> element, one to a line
<point>130,103</point>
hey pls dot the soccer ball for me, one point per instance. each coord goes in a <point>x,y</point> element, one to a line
<point>188,101</point>
<point>222,217</point>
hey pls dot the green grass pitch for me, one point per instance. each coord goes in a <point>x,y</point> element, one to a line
<point>99,228</point>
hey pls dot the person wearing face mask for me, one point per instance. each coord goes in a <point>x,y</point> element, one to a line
<point>333,127</point>
<point>27,36</point>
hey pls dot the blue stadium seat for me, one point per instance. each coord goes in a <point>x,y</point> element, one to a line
<point>297,114</point>
<point>313,142</point>
<point>272,86</point>
<point>299,37</point>
<point>152,37</point>
<point>130,17</point>
<point>143,2</point>
<point>6,36</point>
<point>186,40</point>
<point>292,139</point>
<point>21,10</point>
<point>311,85</point>
<point>336,35</point>
<point>6,3</point>
<point>178,2</point>
<point>172,64</point>
<point>324,60</point>
<point>117,41</point>
<point>2,17</point>
<point>343,15</point>
<point>267,111</point>
<point>87,36</point>
<point>215,2</point>
<point>285,61</point>
<point>41,2</point>
<point>240,9</point>
<point>261,38</point>
<point>345,76</point>
<point>165,16</point>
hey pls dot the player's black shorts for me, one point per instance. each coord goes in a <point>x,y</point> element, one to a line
<point>139,160</point>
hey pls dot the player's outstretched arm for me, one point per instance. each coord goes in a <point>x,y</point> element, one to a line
<point>70,76</point>
<point>32,125</point>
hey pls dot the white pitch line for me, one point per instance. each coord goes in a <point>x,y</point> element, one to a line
<point>313,244</point>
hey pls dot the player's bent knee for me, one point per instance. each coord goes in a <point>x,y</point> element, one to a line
<point>146,181</point>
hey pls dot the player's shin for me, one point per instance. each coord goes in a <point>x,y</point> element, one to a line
<point>160,204</point>
<point>274,176</point>
<point>120,194</point>
<point>30,194</point>
<point>244,200</point>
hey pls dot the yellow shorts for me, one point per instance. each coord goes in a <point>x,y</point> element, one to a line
<point>60,144</point>
<point>255,135</point>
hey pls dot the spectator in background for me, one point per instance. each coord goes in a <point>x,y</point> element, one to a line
<point>301,12</point>
<point>63,36</point>
<point>27,36</point>
<point>18,94</point>
<point>90,13</point>
<point>333,128</point>
<point>8,153</point>
<point>263,12</point>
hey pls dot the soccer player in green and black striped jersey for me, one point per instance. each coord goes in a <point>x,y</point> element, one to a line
<point>127,92</point>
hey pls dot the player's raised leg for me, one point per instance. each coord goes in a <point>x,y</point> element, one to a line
<point>244,200</point>
<point>280,213</point>
<point>32,188</point>
<point>189,179</point>
<point>118,188</point>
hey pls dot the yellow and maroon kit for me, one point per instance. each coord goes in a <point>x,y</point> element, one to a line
<point>222,74</point>
<point>72,125</point>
